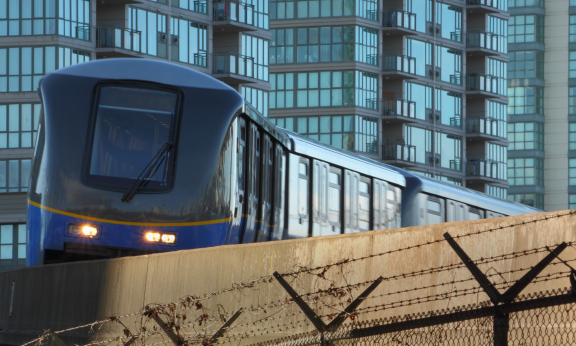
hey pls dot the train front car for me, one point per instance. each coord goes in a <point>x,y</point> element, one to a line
<point>133,156</point>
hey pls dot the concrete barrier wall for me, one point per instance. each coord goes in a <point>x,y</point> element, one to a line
<point>57,297</point>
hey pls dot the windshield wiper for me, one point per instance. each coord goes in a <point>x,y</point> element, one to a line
<point>148,172</point>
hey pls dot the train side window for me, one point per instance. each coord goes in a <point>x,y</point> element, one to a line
<point>435,212</point>
<point>474,213</point>
<point>393,207</point>
<point>364,204</point>
<point>303,190</point>
<point>335,187</point>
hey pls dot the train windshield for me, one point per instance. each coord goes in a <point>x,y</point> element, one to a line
<point>133,128</point>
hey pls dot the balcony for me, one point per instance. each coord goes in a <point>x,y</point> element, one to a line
<point>399,152</point>
<point>486,43</point>
<point>396,66</point>
<point>117,41</point>
<point>484,6</point>
<point>83,32</point>
<point>399,110</point>
<point>233,16</point>
<point>484,86</point>
<point>399,23</point>
<point>484,128</point>
<point>233,68</point>
<point>485,170</point>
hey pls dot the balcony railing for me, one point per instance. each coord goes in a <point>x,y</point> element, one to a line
<point>399,63</point>
<point>396,106</point>
<point>399,151</point>
<point>456,121</point>
<point>234,11</point>
<point>372,15</point>
<point>231,63</point>
<point>372,59</point>
<point>200,59</point>
<point>490,3</point>
<point>399,19</point>
<point>118,37</point>
<point>487,126</point>
<point>484,168</point>
<point>486,40</point>
<point>83,32</point>
<point>456,36</point>
<point>372,103</point>
<point>481,82</point>
<point>456,165</point>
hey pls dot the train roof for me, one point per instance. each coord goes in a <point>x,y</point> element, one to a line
<point>464,195</point>
<point>327,153</point>
<point>154,71</point>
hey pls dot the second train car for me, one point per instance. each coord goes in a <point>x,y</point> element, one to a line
<point>136,156</point>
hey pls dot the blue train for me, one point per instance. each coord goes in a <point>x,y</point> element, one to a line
<point>136,156</point>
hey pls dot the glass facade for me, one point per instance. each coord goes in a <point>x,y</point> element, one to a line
<point>18,125</point>
<point>526,64</point>
<point>421,139</point>
<point>496,191</point>
<point>499,69</point>
<point>526,171</point>
<point>572,136</point>
<point>535,200</point>
<point>449,20</point>
<point>497,113</point>
<point>69,18</point>
<point>526,136</point>
<point>256,50</point>
<point>323,9</point>
<point>423,11</point>
<point>189,42</point>
<point>257,98</point>
<point>572,172</point>
<point>449,62</point>
<point>526,100</point>
<point>324,44</point>
<point>153,37</point>
<point>497,155</point>
<point>422,52</point>
<point>21,68</point>
<point>13,245</point>
<point>498,27</point>
<point>449,148</point>
<point>572,64</point>
<point>449,106</point>
<point>14,175</point>
<point>324,89</point>
<point>192,5</point>
<point>349,132</point>
<point>572,100</point>
<point>454,181</point>
<point>572,29</point>
<point>527,3</point>
<point>527,28</point>
<point>572,201</point>
<point>422,96</point>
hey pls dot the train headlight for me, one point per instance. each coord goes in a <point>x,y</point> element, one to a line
<point>83,230</point>
<point>160,237</point>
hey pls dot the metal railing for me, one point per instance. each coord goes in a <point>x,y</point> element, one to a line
<point>372,15</point>
<point>396,106</point>
<point>479,125</point>
<point>372,59</point>
<point>399,63</point>
<point>484,168</point>
<point>456,121</point>
<point>372,103</point>
<point>456,78</point>
<point>456,36</point>
<point>117,37</point>
<point>83,32</point>
<point>481,82</point>
<point>399,19</point>
<point>200,58</point>
<point>486,40</point>
<point>491,3</point>
<point>198,6</point>
<point>233,63</point>
<point>234,11</point>
<point>399,151</point>
<point>456,165</point>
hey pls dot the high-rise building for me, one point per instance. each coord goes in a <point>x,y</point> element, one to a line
<point>225,38</point>
<point>419,84</point>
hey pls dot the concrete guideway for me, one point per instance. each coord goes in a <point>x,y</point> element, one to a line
<point>421,273</point>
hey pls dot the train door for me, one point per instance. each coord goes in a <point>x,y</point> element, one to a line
<point>267,185</point>
<point>253,188</point>
<point>364,191</point>
<point>380,193</point>
<point>239,211</point>
<point>455,211</point>
<point>279,194</point>
<point>351,181</point>
<point>393,207</point>
<point>320,225</point>
<point>335,200</point>
<point>475,213</point>
<point>435,210</point>
<point>299,196</point>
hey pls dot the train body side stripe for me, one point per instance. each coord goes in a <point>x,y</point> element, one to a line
<point>146,224</point>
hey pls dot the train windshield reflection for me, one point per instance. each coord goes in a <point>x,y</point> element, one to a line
<point>132,126</point>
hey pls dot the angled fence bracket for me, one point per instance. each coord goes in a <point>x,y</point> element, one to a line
<point>55,338</point>
<point>225,327</point>
<point>176,339</point>
<point>501,320</point>
<point>130,341</point>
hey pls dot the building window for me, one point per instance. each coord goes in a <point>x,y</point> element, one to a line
<point>422,52</point>
<point>527,28</point>
<point>498,27</point>
<point>325,44</point>
<point>498,69</point>
<point>526,64</point>
<point>423,11</point>
<point>572,29</point>
<point>526,136</point>
<point>18,125</point>
<point>528,3</point>
<point>257,98</point>
<point>496,191</point>
<point>192,5</point>
<point>421,140</point>
<point>449,151</point>
<point>256,49</point>
<point>449,106</point>
<point>572,198</point>
<point>21,68</point>
<point>153,37</point>
<point>496,155</point>
<point>422,96</point>
<point>449,18</point>
<point>12,246</point>
<point>449,62</point>
<point>349,132</point>
<point>457,182</point>
<point>525,100</point>
<point>323,9</point>
<point>324,89</point>
<point>532,199</point>
<point>14,175</point>
<point>572,172</point>
<point>526,171</point>
<point>69,18</point>
<point>189,42</point>
<point>497,113</point>
<point>572,100</point>
<point>572,136</point>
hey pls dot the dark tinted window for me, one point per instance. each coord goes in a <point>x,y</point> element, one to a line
<point>133,128</point>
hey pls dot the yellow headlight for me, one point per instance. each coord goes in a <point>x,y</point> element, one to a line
<point>153,236</point>
<point>89,231</point>
<point>168,238</point>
